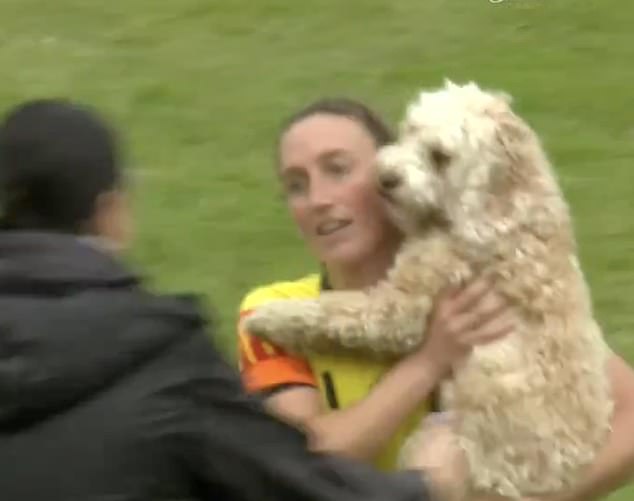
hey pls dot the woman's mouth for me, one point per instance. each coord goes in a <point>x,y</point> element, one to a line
<point>331,226</point>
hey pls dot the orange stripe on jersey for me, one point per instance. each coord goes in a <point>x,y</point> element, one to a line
<point>265,365</point>
<point>245,348</point>
<point>254,349</point>
<point>247,357</point>
<point>270,349</point>
<point>244,313</point>
<point>257,349</point>
<point>275,371</point>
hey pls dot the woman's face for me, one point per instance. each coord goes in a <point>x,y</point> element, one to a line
<point>327,171</point>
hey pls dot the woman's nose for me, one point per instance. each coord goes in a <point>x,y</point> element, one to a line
<point>320,197</point>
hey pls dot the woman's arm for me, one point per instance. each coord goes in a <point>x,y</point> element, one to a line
<point>221,439</point>
<point>361,430</point>
<point>462,319</point>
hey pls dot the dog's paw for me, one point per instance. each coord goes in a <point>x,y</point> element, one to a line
<point>287,323</point>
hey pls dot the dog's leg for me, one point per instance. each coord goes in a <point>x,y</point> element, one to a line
<point>382,321</point>
<point>388,319</point>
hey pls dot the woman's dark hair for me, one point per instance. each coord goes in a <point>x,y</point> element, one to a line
<point>56,158</point>
<point>349,108</point>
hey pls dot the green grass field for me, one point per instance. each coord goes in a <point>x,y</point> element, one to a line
<point>200,86</point>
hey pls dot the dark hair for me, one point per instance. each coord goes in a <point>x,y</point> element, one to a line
<point>349,108</point>
<point>56,158</point>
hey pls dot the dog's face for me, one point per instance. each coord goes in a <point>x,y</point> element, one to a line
<point>453,151</point>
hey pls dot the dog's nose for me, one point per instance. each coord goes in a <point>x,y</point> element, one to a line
<point>389,180</point>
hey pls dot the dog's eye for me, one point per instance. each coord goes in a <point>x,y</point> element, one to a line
<point>439,159</point>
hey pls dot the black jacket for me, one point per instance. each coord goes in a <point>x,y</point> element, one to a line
<point>109,392</point>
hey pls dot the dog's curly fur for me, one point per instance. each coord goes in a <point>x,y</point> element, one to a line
<point>475,194</point>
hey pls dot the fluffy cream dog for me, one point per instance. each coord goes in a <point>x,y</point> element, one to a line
<point>469,183</point>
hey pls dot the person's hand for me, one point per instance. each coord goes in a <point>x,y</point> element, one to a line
<point>435,451</point>
<point>461,319</point>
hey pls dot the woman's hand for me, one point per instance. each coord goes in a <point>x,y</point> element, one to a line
<point>462,319</point>
<point>436,452</point>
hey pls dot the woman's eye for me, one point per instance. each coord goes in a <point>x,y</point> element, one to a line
<point>295,187</point>
<point>338,167</point>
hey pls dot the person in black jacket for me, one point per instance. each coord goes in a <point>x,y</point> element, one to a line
<point>111,392</point>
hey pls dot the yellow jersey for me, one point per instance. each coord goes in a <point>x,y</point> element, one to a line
<point>341,380</point>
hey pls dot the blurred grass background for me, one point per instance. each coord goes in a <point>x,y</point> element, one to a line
<point>199,88</point>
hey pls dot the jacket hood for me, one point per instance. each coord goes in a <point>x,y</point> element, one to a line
<point>73,321</point>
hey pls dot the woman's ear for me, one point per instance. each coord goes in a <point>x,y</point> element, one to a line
<point>112,219</point>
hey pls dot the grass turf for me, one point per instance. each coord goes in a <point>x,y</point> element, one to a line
<point>200,86</point>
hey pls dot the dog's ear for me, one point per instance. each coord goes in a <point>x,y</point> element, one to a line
<point>510,135</point>
<point>499,103</point>
<point>517,151</point>
<point>450,85</point>
<point>473,87</point>
<point>504,98</point>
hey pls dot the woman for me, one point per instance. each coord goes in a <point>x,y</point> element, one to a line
<point>360,409</point>
<point>108,391</point>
